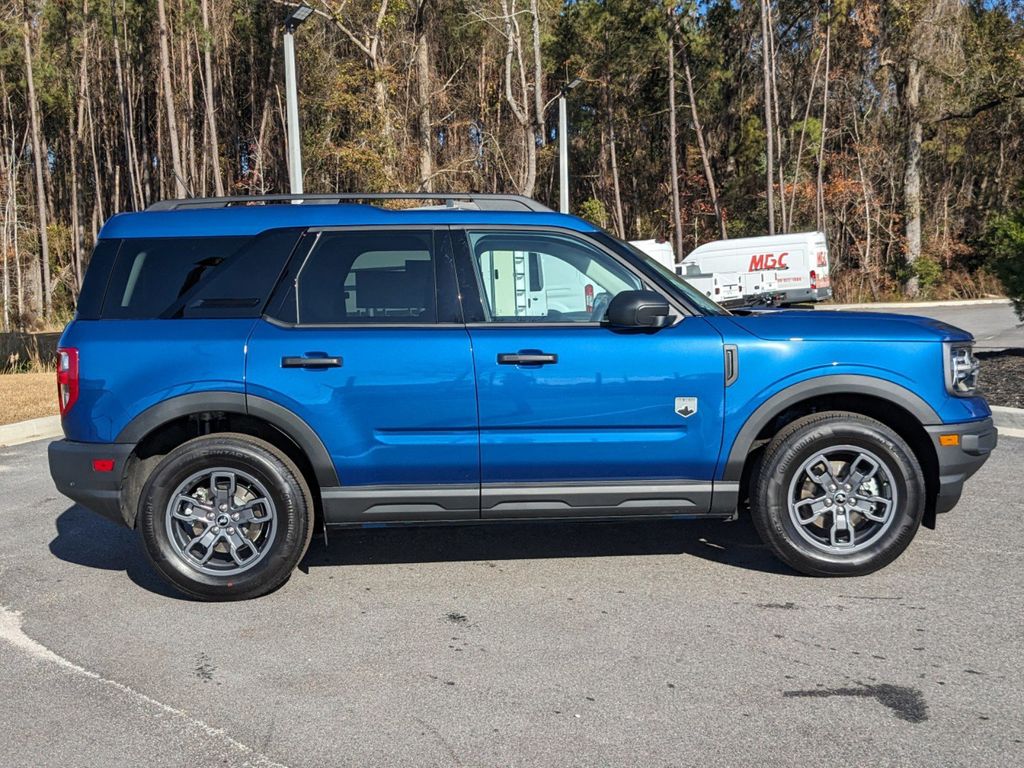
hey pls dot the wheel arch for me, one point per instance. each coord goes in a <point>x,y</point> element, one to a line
<point>893,405</point>
<point>166,425</point>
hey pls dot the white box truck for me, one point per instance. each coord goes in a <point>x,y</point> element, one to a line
<point>793,267</point>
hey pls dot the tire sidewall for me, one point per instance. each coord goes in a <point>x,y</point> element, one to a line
<point>781,467</point>
<point>281,483</point>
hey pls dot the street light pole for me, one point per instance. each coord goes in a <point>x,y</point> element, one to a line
<point>294,19</point>
<point>563,145</point>
<point>563,154</point>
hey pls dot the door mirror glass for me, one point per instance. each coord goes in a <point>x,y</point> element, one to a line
<point>638,309</point>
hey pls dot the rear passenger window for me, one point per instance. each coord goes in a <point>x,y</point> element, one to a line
<point>200,277</point>
<point>152,274</point>
<point>368,277</point>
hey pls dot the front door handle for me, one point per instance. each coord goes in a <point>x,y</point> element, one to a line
<point>526,358</point>
<point>311,362</point>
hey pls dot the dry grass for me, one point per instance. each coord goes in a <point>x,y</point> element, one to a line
<point>27,396</point>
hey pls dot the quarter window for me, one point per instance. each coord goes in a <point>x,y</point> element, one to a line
<point>546,278</point>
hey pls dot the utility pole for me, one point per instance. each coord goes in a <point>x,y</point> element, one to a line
<point>295,18</point>
<point>563,146</point>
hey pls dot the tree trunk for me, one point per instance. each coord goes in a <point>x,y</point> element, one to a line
<point>620,225</point>
<point>172,120</point>
<point>673,150</point>
<point>820,182</point>
<point>538,75</point>
<point>520,109</point>
<point>912,173</point>
<point>705,159</point>
<point>43,299</point>
<point>423,87</point>
<point>211,115</point>
<point>768,123</point>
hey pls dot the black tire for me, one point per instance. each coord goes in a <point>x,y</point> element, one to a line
<point>286,533</point>
<point>820,549</point>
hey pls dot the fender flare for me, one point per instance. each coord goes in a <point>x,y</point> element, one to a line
<point>836,384</point>
<point>287,422</point>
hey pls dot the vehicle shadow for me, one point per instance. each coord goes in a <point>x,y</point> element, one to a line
<point>734,544</point>
<point>86,539</point>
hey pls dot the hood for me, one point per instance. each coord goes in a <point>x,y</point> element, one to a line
<point>826,325</point>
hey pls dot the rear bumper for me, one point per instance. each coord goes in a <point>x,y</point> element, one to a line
<point>975,441</point>
<point>71,467</point>
<point>799,295</point>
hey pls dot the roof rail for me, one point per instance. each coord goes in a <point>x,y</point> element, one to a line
<point>471,200</point>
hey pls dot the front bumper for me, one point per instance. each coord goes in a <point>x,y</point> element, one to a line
<point>71,467</point>
<point>974,442</point>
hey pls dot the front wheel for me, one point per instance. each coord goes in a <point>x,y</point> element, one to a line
<point>838,494</point>
<point>225,517</point>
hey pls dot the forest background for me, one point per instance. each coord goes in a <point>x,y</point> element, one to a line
<point>893,126</point>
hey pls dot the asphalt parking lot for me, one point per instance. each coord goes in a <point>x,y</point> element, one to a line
<point>662,644</point>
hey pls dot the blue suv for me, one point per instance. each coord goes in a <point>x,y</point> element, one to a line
<point>243,370</point>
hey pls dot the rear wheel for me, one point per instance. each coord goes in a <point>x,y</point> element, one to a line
<point>838,494</point>
<point>226,517</point>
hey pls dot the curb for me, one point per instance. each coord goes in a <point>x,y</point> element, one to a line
<point>916,304</point>
<point>27,431</point>
<point>1010,421</point>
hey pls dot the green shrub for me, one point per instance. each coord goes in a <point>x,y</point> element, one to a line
<point>593,210</point>
<point>928,272</point>
<point>1004,249</point>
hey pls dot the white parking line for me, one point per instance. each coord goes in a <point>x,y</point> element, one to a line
<point>12,633</point>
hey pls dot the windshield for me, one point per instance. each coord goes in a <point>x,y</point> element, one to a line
<point>664,275</point>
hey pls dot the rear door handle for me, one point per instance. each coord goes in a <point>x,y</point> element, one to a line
<point>311,362</point>
<point>526,358</point>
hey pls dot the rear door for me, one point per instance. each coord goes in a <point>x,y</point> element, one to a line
<point>577,419</point>
<point>364,342</point>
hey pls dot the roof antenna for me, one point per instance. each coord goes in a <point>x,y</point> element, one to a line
<point>184,186</point>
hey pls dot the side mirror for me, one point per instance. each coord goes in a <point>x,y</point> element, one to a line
<point>638,309</point>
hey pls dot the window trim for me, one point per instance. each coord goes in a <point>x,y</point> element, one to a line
<point>464,260</point>
<point>439,248</point>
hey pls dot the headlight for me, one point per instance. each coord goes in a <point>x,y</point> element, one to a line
<point>961,369</point>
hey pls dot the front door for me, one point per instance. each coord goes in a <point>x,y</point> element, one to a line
<point>365,343</point>
<point>578,419</point>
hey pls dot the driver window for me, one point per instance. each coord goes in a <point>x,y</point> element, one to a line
<point>538,277</point>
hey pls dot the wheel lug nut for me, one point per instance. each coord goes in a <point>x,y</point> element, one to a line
<point>216,529</point>
<point>235,516</point>
<point>209,515</point>
<point>846,487</point>
<point>231,530</point>
<point>828,502</point>
<point>223,507</point>
<point>831,487</point>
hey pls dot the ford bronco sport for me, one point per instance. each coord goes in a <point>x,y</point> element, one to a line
<point>241,370</point>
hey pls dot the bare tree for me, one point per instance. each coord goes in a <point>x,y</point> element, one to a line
<point>211,115</point>
<point>705,159</point>
<point>673,150</point>
<point>423,93</point>
<point>515,71</point>
<point>43,297</point>
<point>769,124</point>
<point>168,87</point>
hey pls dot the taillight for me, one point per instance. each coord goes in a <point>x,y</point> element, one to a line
<point>814,280</point>
<point>588,297</point>
<point>67,378</point>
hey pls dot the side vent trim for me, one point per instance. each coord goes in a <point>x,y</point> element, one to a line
<point>732,364</point>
